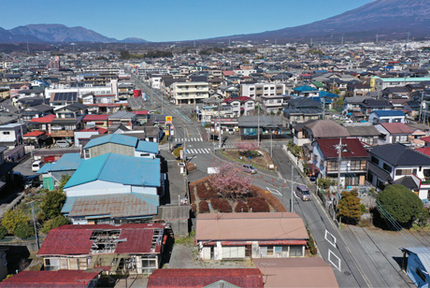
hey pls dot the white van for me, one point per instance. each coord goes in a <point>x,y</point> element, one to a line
<point>249,168</point>
<point>36,165</point>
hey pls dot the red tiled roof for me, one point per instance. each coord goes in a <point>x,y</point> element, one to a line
<point>42,279</point>
<point>92,117</point>
<point>397,128</point>
<point>140,112</point>
<point>228,73</point>
<point>425,150</point>
<point>240,99</point>
<point>34,134</point>
<point>97,129</point>
<point>351,148</point>
<point>108,104</point>
<point>44,119</point>
<point>425,139</point>
<point>193,278</point>
<point>75,239</point>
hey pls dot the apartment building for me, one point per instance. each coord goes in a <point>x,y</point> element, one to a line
<point>189,92</point>
<point>256,90</point>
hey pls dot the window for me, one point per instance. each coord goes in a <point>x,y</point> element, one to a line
<point>148,265</point>
<point>387,167</point>
<point>420,274</point>
<point>144,154</point>
<point>332,165</point>
<point>400,172</point>
<point>374,160</point>
<point>87,153</point>
<point>296,251</point>
<point>352,181</point>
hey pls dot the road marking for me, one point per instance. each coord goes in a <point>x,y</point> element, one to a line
<point>330,238</point>
<point>336,258</point>
<point>274,191</point>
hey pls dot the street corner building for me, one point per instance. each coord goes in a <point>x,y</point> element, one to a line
<point>127,248</point>
<point>237,236</point>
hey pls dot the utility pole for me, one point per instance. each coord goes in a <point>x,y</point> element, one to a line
<point>339,159</point>
<point>34,225</point>
<point>219,123</point>
<point>292,189</point>
<point>184,154</point>
<point>323,107</point>
<point>258,125</point>
<point>421,104</point>
<point>271,132</point>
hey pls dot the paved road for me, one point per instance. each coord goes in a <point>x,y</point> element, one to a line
<point>356,267</point>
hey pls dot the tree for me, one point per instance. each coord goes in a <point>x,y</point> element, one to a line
<point>230,181</point>
<point>63,181</point>
<point>350,207</point>
<point>12,218</point>
<point>247,148</point>
<point>24,230</point>
<point>3,232</point>
<point>60,220</point>
<point>398,203</point>
<point>53,203</point>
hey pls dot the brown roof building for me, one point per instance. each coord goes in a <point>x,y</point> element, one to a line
<point>295,272</point>
<point>250,235</point>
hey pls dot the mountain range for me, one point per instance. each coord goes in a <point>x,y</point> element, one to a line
<point>383,19</point>
<point>57,33</point>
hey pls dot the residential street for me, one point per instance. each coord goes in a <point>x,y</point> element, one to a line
<point>355,257</point>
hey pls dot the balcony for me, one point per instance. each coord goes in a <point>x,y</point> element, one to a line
<point>62,133</point>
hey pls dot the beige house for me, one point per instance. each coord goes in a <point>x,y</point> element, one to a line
<point>229,236</point>
<point>190,92</point>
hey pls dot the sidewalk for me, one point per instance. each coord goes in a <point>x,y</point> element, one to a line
<point>175,186</point>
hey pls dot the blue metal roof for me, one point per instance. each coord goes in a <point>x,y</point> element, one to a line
<point>423,254</point>
<point>327,94</point>
<point>305,88</point>
<point>113,138</point>
<point>147,146</point>
<point>118,168</point>
<point>69,161</point>
<point>383,113</point>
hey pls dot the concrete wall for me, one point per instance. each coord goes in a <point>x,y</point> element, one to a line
<point>111,148</point>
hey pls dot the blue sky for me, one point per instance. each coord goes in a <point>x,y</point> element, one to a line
<point>172,20</point>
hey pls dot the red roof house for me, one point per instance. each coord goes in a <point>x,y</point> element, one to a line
<point>196,278</point>
<point>53,279</point>
<point>353,165</point>
<point>90,246</point>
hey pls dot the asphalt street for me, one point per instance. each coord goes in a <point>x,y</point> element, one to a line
<point>351,256</point>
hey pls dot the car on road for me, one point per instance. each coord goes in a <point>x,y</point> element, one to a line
<point>231,131</point>
<point>36,165</point>
<point>248,168</point>
<point>62,144</point>
<point>31,181</point>
<point>303,193</point>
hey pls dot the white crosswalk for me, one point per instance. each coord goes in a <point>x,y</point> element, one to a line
<point>192,139</point>
<point>198,151</point>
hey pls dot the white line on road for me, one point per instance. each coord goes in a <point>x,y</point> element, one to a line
<point>274,191</point>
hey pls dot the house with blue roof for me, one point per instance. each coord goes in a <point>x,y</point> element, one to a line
<point>120,144</point>
<point>114,187</point>
<point>52,172</point>
<point>417,260</point>
<point>387,116</point>
<point>305,91</point>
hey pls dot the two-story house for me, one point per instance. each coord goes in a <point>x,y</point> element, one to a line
<point>274,104</point>
<point>241,105</point>
<point>301,109</point>
<point>395,164</point>
<point>387,116</point>
<point>394,133</point>
<point>128,119</point>
<point>11,134</point>
<point>352,162</point>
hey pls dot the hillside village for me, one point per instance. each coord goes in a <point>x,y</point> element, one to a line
<point>247,165</point>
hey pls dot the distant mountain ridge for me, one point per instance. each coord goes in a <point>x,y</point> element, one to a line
<point>389,19</point>
<point>392,19</point>
<point>57,33</point>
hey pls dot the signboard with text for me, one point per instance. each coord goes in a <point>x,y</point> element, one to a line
<point>169,119</point>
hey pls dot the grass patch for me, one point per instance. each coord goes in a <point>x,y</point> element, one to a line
<point>188,240</point>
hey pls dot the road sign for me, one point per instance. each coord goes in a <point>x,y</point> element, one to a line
<point>169,119</point>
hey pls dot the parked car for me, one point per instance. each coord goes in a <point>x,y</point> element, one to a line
<point>36,165</point>
<point>62,143</point>
<point>231,131</point>
<point>32,181</point>
<point>248,168</point>
<point>303,193</point>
